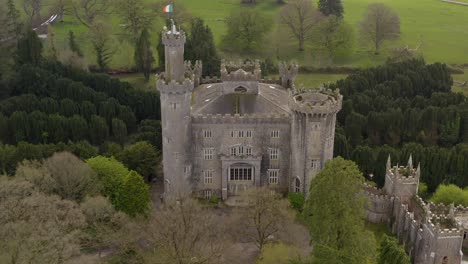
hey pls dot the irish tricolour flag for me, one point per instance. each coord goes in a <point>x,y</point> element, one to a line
<point>168,9</point>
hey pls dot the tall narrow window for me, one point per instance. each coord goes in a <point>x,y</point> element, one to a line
<point>249,133</point>
<point>208,176</point>
<point>314,164</point>
<point>241,133</point>
<point>273,176</point>
<point>248,151</point>
<point>208,153</point>
<point>297,187</point>
<point>207,194</point>
<point>275,134</point>
<point>274,154</point>
<point>207,133</point>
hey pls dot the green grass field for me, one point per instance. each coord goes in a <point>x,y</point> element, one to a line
<point>442,28</point>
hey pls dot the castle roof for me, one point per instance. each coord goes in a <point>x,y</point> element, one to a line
<point>210,99</point>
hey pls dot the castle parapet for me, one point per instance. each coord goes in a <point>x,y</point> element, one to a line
<point>316,102</point>
<point>173,38</point>
<point>236,118</point>
<point>174,87</point>
<point>233,72</point>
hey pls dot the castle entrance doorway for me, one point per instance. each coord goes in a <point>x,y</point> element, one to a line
<point>239,173</point>
<point>240,178</point>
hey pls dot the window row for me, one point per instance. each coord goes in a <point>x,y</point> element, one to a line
<point>208,153</point>
<point>275,134</point>
<point>274,154</point>
<point>241,151</point>
<point>240,174</point>
<point>241,133</point>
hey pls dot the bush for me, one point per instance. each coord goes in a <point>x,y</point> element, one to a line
<point>297,200</point>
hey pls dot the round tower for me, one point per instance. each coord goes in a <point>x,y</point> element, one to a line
<point>312,133</point>
<point>175,95</point>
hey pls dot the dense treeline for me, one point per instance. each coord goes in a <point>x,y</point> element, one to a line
<point>52,103</point>
<point>401,109</point>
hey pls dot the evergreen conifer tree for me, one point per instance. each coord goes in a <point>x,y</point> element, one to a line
<point>29,48</point>
<point>144,55</point>
<point>201,46</point>
<point>73,44</point>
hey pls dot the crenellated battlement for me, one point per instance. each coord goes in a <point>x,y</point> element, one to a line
<point>173,38</point>
<point>174,87</point>
<point>231,72</point>
<point>321,102</point>
<point>236,118</point>
<point>288,73</point>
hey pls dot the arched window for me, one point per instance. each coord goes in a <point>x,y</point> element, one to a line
<point>297,185</point>
<point>445,260</point>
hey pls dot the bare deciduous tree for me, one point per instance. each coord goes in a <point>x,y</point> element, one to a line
<point>36,228</point>
<point>380,23</point>
<point>62,8</point>
<point>87,11</point>
<point>32,8</point>
<point>134,15</point>
<point>265,215</point>
<point>300,17</point>
<point>101,40</point>
<point>187,233</point>
<point>74,179</point>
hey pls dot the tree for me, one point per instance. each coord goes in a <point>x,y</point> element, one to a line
<point>62,8</point>
<point>246,29</point>
<point>133,196</point>
<point>103,223</point>
<point>89,11</point>
<point>144,54</point>
<point>331,7</point>
<point>13,23</point>
<point>98,129</point>
<point>134,15</point>
<point>335,214</point>
<point>141,157</point>
<point>111,174</point>
<point>201,46</point>
<point>74,179</point>
<point>448,194</point>
<point>380,23</point>
<point>300,17</point>
<point>37,228</point>
<point>101,40</point>
<point>187,233</point>
<point>391,252</point>
<point>334,37</point>
<point>32,8</point>
<point>119,130</point>
<point>29,48</point>
<point>73,44</point>
<point>265,215</point>
<point>51,51</point>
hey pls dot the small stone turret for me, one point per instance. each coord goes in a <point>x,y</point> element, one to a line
<point>240,77</point>
<point>288,74</point>
<point>402,181</point>
<point>194,71</point>
<point>312,132</point>
<point>174,42</point>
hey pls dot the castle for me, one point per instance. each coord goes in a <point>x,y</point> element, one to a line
<point>430,233</point>
<point>223,136</point>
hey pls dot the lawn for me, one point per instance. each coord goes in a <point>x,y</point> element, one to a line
<point>442,28</point>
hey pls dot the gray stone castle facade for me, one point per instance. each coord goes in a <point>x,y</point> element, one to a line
<point>430,233</point>
<point>223,136</point>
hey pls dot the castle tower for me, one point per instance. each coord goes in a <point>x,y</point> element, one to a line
<point>175,93</point>
<point>402,181</point>
<point>312,133</point>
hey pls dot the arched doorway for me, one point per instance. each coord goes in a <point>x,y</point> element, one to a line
<point>445,260</point>
<point>297,185</point>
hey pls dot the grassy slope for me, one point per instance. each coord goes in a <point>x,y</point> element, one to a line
<point>441,27</point>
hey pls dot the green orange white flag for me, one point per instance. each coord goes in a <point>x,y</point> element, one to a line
<point>168,9</point>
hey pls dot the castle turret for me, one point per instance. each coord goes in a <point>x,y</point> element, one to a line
<point>402,181</point>
<point>312,133</point>
<point>176,93</point>
<point>288,74</point>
